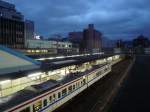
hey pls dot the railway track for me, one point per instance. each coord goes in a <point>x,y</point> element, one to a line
<point>108,97</point>
<point>94,98</point>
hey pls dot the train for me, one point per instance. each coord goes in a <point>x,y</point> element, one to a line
<point>52,94</point>
<point>59,93</point>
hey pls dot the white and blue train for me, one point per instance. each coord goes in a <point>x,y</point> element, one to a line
<point>48,96</point>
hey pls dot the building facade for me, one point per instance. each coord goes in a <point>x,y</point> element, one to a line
<point>13,29</point>
<point>34,46</point>
<point>91,41</point>
<point>11,26</point>
<point>9,11</point>
<point>76,37</point>
<point>29,30</point>
<point>11,33</point>
<point>43,44</point>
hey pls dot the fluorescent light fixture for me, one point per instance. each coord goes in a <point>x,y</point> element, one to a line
<point>41,59</point>
<point>5,81</point>
<point>50,58</point>
<point>35,74</point>
<point>60,57</point>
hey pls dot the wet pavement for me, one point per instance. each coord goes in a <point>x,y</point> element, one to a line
<point>134,95</point>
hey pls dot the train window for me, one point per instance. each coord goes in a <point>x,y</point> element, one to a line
<point>78,84</point>
<point>37,106</point>
<point>81,83</point>
<point>54,97</point>
<point>50,99</point>
<point>59,95</point>
<point>84,81</point>
<point>74,87</point>
<point>70,89</point>
<point>45,102</point>
<point>26,110</point>
<point>106,69</point>
<point>64,92</point>
<point>102,71</point>
<point>98,73</point>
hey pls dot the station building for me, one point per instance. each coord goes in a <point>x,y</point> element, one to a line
<point>18,71</point>
<point>47,47</point>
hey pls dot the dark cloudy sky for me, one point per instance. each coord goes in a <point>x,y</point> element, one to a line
<point>115,18</point>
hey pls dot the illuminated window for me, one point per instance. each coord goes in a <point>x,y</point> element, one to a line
<point>74,87</point>
<point>70,89</point>
<point>64,92</point>
<point>37,106</point>
<point>29,51</point>
<point>37,51</point>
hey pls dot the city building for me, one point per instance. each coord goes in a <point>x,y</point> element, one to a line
<point>29,30</point>
<point>140,43</point>
<point>11,26</point>
<point>76,37</point>
<point>9,11</point>
<point>147,50</point>
<point>91,41</point>
<point>34,46</point>
<point>14,30</point>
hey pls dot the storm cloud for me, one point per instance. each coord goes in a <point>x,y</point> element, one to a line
<point>114,18</point>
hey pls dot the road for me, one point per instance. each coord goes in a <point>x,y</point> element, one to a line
<point>92,99</point>
<point>134,95</point>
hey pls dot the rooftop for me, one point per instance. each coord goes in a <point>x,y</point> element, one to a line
<point>14,63</point>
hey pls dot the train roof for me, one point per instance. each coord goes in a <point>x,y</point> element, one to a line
<point>26,94</point>
<point>50,84</point>
<point>73,76</point>
<point>35,90</point>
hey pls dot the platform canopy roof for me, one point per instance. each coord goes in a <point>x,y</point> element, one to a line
<point>13,61</point>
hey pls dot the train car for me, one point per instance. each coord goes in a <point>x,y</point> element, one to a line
<point>50,95</point>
